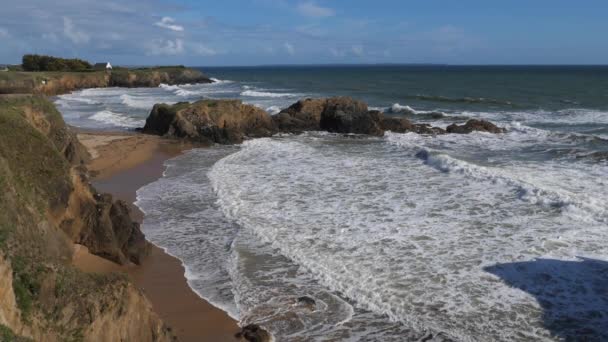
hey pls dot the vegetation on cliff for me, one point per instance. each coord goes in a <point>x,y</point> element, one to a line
<point>49,63</point>
<point>44,199</point>
<point>61,82</point>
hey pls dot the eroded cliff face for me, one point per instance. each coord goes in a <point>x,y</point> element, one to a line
<point>55,83</point>
<point>47,205</point>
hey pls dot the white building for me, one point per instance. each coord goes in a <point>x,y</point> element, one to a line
<point>103,66</point>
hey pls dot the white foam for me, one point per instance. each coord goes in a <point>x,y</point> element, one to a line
<point>254,93</point>
<point>376,223</point>
<point>134,102</point>
<point>117,119</point>
<point>397,108</point>
<point>218,81</point>
<point>169,87</point>
<point>273,110</point>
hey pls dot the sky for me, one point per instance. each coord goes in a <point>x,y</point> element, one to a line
<point>262,32</point>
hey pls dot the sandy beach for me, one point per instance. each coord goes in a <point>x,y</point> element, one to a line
<point>121,164</point>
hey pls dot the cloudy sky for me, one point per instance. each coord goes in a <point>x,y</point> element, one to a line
<point>253,32</point>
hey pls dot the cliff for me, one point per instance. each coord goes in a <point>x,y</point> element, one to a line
<point>55,83</point>
<point>47,205</point>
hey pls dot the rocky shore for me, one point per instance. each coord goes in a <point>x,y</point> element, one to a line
<point>231,121</point>
<point>47,207</point>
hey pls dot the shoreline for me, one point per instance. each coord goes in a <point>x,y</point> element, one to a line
<point>123,162</point>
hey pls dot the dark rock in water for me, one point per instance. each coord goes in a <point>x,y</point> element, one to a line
<point>253,333</point>
<point>428,129</point>
<point>397,125</point>
<point>308,302</point>
<point>304,115</point>
<point>402,125</point>
<point>210,121</point>
<point>335,114</point>
<point>340,121</point>
<point>475,125</point>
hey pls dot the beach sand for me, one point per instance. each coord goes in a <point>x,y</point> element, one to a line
<point>122,163</point>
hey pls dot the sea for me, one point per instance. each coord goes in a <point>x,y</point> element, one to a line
<point>405,237</point>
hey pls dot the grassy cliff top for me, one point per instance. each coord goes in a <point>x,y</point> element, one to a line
<point>60,82</point>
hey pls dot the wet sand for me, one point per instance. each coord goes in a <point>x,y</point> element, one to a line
<point>122,163</point>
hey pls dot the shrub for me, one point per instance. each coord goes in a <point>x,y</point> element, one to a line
<point>49,63</point>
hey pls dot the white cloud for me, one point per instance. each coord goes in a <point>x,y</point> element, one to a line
<point>72,33</point>
<point>50,36</point>
<point>336,53</point>
<point>165,47</point>
<point>203,50</point>
<point>169,24</point>
<point>357,50</point>
<point>311,9</point>
<point>289,48</point>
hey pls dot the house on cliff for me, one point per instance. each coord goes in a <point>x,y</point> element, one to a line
<point>103,66</point>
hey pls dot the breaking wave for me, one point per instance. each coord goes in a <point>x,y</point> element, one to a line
<point>116,119</point>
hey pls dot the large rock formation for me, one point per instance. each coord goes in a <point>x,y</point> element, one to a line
<point>230,121</point>
<point>343,115</point>
<point>304,115</point>
<point>210,121</point>
<point>46,205</point>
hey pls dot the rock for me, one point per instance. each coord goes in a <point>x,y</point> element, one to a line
<point>475,125</point>
<point>110,232</point>
<point>307,302</point>
<point>397,125</point>
<point>402,125</point>
<point>253,333</point>
<point>428,129</point>
<point>304,115</point>
<point>210,121</point>
<point>335,114</point>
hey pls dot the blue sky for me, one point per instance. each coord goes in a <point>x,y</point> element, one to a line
<point>254,32</point>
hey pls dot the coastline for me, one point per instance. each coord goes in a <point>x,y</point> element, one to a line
<point>123,162</point>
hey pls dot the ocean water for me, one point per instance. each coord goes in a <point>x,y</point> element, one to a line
<point>318,237</point>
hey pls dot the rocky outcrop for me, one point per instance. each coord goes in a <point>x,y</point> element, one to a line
<point>110,232</point>
<point>304,115</point>
<point>474,125</point>
<point>55,83</point>
<point>210,121</point>
<point>153,77</point>
<point>344,115</point>
<point>253,333</point>
<point>230,121</point>
<point>47,204</point>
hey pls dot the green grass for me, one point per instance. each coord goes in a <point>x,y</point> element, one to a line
<point>7,335</point>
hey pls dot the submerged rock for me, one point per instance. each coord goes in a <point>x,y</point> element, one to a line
<point>210,121</point>
<point>253,333</point>
<point>475,125</point>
